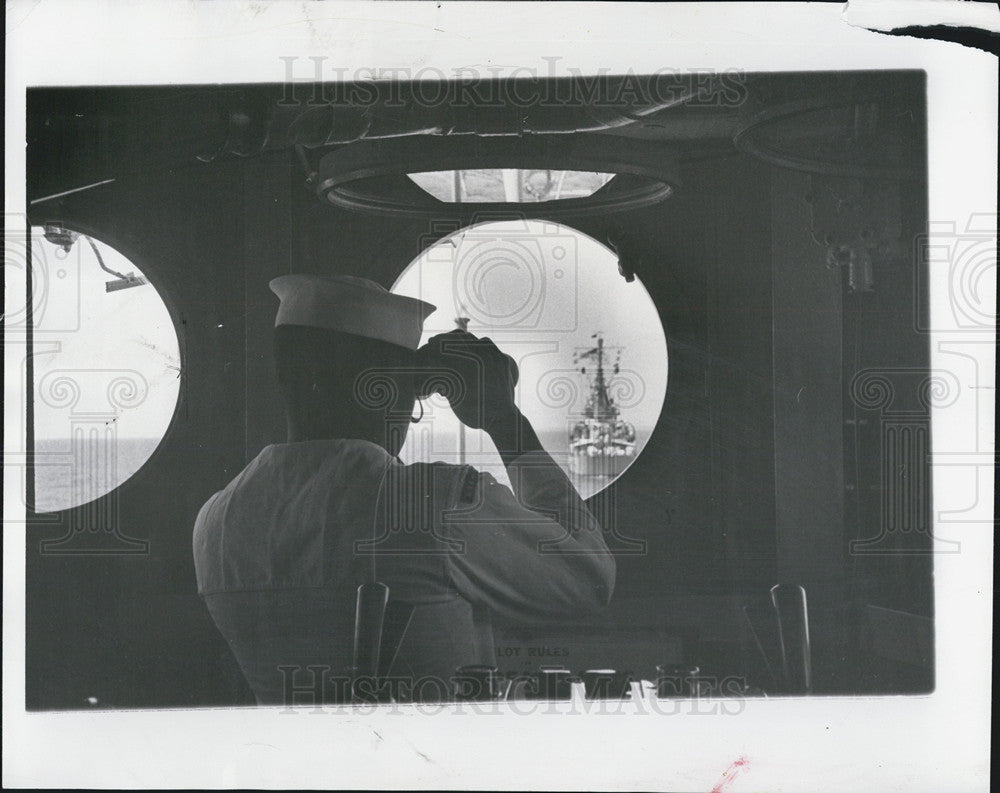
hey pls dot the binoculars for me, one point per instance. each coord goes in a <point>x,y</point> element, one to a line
<point>437,373</point>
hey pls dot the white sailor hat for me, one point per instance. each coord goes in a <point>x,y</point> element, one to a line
<point>349,304</point>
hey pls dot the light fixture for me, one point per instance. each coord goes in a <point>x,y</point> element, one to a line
<point>509,185</point>
<point>548,176</point>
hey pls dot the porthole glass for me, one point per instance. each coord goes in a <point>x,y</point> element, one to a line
<point>106,368</point>
<point>590,346</point>
<point>510,185</point>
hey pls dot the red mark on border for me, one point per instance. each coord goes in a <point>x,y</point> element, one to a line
<point>731,773</point>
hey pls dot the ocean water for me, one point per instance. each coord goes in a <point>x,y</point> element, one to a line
<point>444,446</point>
<point>72,472</point>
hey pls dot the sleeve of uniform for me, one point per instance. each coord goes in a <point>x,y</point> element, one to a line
<point>530,553</point>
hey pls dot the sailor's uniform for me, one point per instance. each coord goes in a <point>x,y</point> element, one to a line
<point>280,552</point>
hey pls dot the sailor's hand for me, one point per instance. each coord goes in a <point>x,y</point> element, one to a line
<point>485,377</point>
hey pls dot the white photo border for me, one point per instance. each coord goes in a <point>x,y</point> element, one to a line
<point>937,742</point>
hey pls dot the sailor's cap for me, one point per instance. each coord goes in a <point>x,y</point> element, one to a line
<point>352,305</point>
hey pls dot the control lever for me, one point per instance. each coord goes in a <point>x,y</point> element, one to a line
<point>793,634</point>
<point>369,616</point>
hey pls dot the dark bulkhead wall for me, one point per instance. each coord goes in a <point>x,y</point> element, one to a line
<point>710,497</point>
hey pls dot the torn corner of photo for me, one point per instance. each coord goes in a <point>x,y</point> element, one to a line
<point>887,15</point>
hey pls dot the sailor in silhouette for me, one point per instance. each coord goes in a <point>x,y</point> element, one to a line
<point>281,550</point>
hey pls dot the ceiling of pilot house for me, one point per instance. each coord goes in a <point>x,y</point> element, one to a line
<point>864,122</point>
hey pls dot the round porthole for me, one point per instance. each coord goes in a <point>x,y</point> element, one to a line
<point>590,346</point>
<point>106,368</point>
<point>460,176</point>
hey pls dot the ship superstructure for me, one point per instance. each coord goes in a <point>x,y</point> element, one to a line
<point>601,444</point>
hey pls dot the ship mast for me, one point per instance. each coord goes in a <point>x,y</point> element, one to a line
<point>599,405</point>
<point>462,323</point>
<point>600,388</point>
